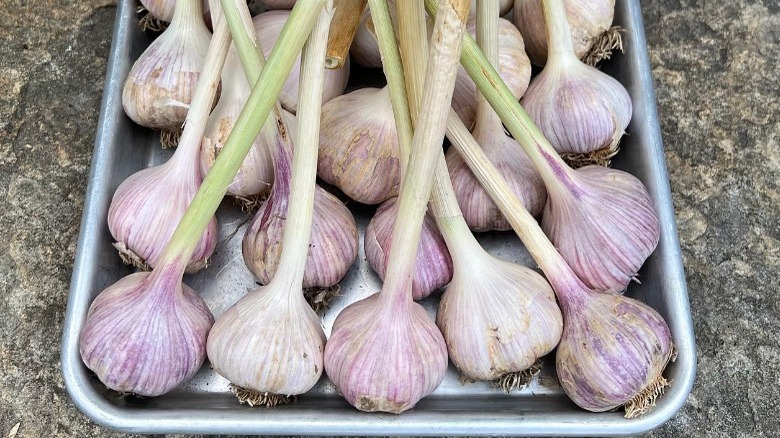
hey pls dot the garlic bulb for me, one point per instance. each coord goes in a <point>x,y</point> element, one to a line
<point>163,9</point>
<point>498,318</point>
<point>334,235</point>
<point>270,343</point>
<point>608,256</point>
<point>364,49</point>
<point>254,178</point>
<point>382,360</point>
<point>582,111</point>
<point>147,207</point>
<point>589,22</point>
<point>432,265</point>
<point>612,353</point>
<point>168,69</point>
<point>279,4</point>
<point>146,333</point>
<point>513,67</point>
<point>513,164</point>
<point>268,25</point>
<point>359,146</point>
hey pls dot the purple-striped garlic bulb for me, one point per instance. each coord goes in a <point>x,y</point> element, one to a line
<point>433,264</point>
<point>334,236</point>
<point>622,226</point>
<point>146,333</point>
<point>613,352</point>
<point>385,356</point>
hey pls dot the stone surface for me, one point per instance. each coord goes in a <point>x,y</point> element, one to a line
<point>715,65</point>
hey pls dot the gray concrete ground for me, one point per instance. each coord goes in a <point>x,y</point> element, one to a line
<point>715,65</point>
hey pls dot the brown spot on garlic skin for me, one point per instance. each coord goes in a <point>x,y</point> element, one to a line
<point>359,146</point>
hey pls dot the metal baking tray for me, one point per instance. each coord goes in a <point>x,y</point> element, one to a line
<point>204,404</point>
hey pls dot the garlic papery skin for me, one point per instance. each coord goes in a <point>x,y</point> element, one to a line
<point>359,146</point>
<point>588,20</point>
<point>479,211</point>
<point>147,207</point>
<point>498,318</point>
<point>168,69</point>
<point>268,25</point>
<point>270,342</point>
<point>433,264</point>
<point>385,362</point>
<point>163,9</point>
<point>581,110</point>
<point>254,178</point>
<point>334,236</point>
<point>513,67</point>
<point>146,333</point>
<point>514,166</point>
<point>622,226</point>
<point>364,49</point>
<point>612,352</point>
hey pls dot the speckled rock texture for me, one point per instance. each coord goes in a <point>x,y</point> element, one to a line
<point>715,65</point>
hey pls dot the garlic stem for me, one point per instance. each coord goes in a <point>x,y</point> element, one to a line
<point>526,227</point>
<point>391,62</point>
<point>203,97</point>
<point>487,39</point>
<point>413,41</point>
<point>414,45</point>
<point>559,44</point>
<point>258,106</point>
<point>297,228</point>
<point>346,20</point>
<point>187,14</point>
<point>426,151</point>
<point>551,167</point>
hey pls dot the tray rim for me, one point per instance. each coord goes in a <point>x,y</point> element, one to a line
<point>426,423</point>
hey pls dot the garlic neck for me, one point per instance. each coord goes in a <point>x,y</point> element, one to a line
<point>187,18</point>
<point>558,32</point>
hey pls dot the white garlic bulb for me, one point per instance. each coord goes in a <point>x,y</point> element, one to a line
<point>251,344</point>
<point>268,26</point>
<point>497,317</point>
<point>588,21</point>
<point>359,146</point>
<point>168,69</point>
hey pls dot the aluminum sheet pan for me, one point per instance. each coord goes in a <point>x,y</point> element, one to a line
<point>204,405</point>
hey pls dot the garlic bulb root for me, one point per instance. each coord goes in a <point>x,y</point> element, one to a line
<point>169,138</point>
<point>319,298</point>
<point>254,398</point>
<point>518,379</point>
<point>149,22</point>
<point>643,402</point>
<point>602,48</point>
<point>129,257</point>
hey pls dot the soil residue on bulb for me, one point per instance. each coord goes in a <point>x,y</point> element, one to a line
<point>254,398</point>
